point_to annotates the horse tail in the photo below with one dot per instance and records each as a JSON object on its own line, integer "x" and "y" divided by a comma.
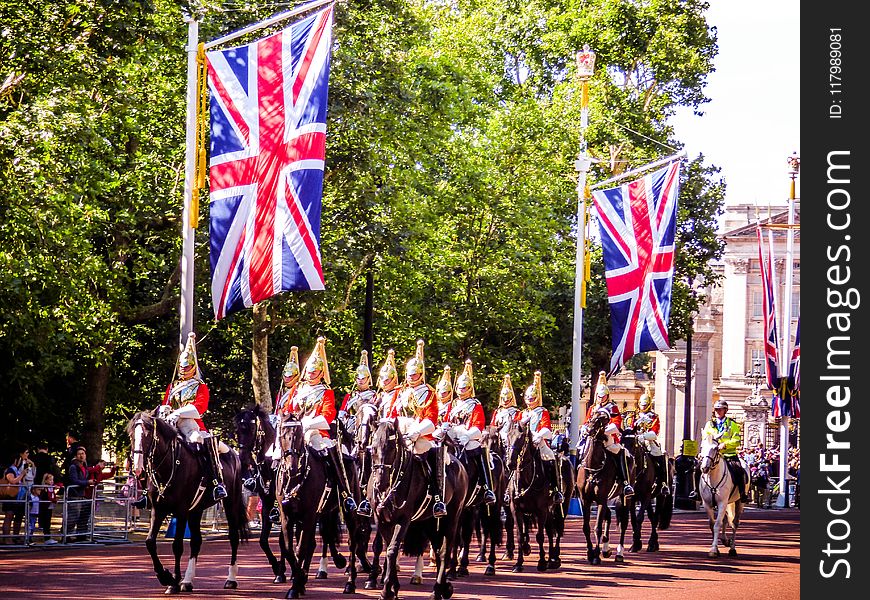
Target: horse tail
{"x": 415, "y": 540}
{"x": 665, "y": 508}
{"x": 234, "y": 504}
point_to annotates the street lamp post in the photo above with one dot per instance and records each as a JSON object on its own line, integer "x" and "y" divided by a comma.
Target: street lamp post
{"x": 585, "y": 69}
{"x": 793, "y": 170}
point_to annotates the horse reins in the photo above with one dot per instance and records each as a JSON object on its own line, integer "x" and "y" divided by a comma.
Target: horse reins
{"x": 714, "y": 490}
{"x": 150, "y": 469}
{"x": 396, "y": 474}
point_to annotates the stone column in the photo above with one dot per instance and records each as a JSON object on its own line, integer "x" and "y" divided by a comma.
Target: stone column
{"x": 734, "y": 318}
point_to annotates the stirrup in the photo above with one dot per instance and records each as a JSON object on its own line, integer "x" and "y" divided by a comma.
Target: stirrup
{"x": 141, "y": 503}
{"x": 250, "y": 484}
{"x": 220, "y": 492}
{"x": 439, "y": 509}
{"x": 693, "y": 495}
{"x": 627, "y": 490}
{"x": 364, "y": 509}
{"x": 488, "y": 497}
{"x": 275, "y": 515}
{"x": 350, "y": 504}
{"x": 558, "y": 497}
{"x": 666, "y": 490}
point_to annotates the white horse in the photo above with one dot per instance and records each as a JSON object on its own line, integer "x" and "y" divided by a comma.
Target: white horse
{"x": 720, "y": 496}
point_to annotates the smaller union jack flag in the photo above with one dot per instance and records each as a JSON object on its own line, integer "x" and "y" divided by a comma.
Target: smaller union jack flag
{"x": 638, "y": 223}
{"x": 794, "y": 378}
{"x": 268, "y": 144}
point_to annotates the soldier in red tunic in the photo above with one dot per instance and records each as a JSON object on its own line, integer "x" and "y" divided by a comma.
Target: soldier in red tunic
{"x": 417, "y": 401}
{"x": 538, "y": 418}
{"x": 185, "y": 401}
{"x": 388, "y": 385}
{"x": 507, "y": 410}
{"x": 289, "y": 382}
{"x": 647, "y": 426}
{"x": 467, "y": 422}
{"x": 444, "y": 392}
{"x": 604, "y": 404}
{"x": 314, "y": 404}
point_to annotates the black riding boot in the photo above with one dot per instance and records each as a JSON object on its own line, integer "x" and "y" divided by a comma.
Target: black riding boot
{"x": 436, "y": 481}
{"x": 622, "y": 462}
{"x": 553, "y": 478}
{"x": 141, "y": 503}
{"x": 336, "y": 466}
{"x": 212, "y": 466}
{"x": 660, "y": 463}
{"x": 739, "y": 477}
{"x": 365, "y": 508}
{"x": 488, "y": 495}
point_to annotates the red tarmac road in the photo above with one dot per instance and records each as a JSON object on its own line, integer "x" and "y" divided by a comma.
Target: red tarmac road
{"x": 767, "y": 568}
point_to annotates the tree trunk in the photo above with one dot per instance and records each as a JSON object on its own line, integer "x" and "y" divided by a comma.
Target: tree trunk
{"x": 95, "y": 414}
{"x": 368, "y": 323}
{"x": 260, "y": 357}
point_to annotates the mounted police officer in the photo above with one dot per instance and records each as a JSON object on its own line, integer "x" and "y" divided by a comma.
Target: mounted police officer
{"x": 604, "y": 404}
{"x": 647, "y": 426}
{"x": 361, "y": 395}
{"x": 465, "y": 423}
{"x": 538, "y": 418}
{"x": 728, "y": 432}
{"x": 184, "y": 403}
{"x": 314, "y": 405}
{"x": 419, "y": 407}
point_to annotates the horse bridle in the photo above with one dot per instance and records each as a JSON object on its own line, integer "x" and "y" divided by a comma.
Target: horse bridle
{"x": 396, "y": 473}
{"x": 516, "y": 472}
{"x": 303, "y": 468}
{"x": 714, "y": 489}
{"x": 150, "y": 469}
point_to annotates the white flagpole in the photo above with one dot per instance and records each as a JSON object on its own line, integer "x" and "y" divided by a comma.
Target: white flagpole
{"x": 188, "y": 232}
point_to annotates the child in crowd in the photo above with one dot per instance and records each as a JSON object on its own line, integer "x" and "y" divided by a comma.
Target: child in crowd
{"x": 47, "y": 502}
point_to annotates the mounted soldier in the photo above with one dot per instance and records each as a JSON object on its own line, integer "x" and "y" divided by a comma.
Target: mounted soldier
{"x": 647, "y": 425}
{"x": 417, "y": 411}
{"x": 538, "y": 418}
{"x": 507, "y": 410}
{"x": 444, "y": 392}
{"x": 362, "y": 393}
{"x": 184, "y": 403}
{"x": 289, "y": 382}
{"x": 314, "y": 405}
{"x": 604, "y": 404}
{"x": 388, "y": 385}
{"x": 464, "y": 423}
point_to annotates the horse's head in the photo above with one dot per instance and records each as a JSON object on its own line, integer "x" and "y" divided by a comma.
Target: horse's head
{"x": 491, "y": 439}
{"x": 365, "y": 422}
{"x": 141, "y": 429}
{"x": 597, "y": 423}
{"x": 254, "y": 434}
{"x": 291, "y": 438}
{"x": 628, "y": 437}
{"x": 708, "y": 454}
{"x": 388, "y": 454}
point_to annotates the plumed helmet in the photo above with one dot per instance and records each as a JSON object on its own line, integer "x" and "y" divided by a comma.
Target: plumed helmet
{"x": 416, "y": 364}
{"x": 188, "y": 366}
{"x": 533, "y": 395}
{"x": 445, "y": 385}
{"x": 601, "y": 389}
{"x": 645, "y": 401}
{"x": 465, "y": 381}
{"x": 388, "y": 371}
{"x": 720, "y": 404}
{"x": 291, "y": 367}
{"x": 362, "y": 371}
{"x": 506, "y": 396}
{"x": 317, "y": 360}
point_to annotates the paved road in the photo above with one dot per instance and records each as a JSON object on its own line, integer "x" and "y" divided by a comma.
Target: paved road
{"x": 767, "y": 568}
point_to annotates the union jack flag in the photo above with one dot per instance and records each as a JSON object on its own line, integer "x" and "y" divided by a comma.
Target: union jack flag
{"x": 794, "y": 374}
{"x": 638, "y": 223}
{"x": 268, "y": 145}
{"x": 771, "y": 339}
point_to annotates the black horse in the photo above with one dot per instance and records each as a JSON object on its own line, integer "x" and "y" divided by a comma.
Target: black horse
{"x": 486, "y": 519}
{"x": 255, "y": 435}
{"x": 307, "y": 498}
{"x": 597, "y": 482}
{"x": 398, "y": 490}
{"x": 176, "y": 484}
{"x": 528, "y": 490}
{"x": 648, "y": 498}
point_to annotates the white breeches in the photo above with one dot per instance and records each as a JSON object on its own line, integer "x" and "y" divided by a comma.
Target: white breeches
{"x": 414, "y": 431}
{"x": 653, "y": 447}
{"x": 545, "y": 450}
{"x": 316, "y": 441}
{"x": 465, "y": 437}
{"x": 189, "y": 428}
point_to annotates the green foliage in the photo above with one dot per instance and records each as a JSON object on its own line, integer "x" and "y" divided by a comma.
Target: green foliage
{"x": 452, "y": 131}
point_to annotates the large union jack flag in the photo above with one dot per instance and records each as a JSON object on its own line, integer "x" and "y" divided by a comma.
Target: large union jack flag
{"x": 768, "y": 301}
{"x": 638, "y": 223}
{"x": 268, "y": 142}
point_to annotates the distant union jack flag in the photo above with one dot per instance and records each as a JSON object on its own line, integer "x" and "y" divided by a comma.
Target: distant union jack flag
{"x": 268, "y": 141}
{"x": 794, "y": 374}
{"x": 638, "y": 222}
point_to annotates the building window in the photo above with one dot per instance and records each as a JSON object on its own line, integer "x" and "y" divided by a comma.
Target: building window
{"x": 757, "y": 354}
{"x": 757, "y": 302}
{"x": 795, "y": 304}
